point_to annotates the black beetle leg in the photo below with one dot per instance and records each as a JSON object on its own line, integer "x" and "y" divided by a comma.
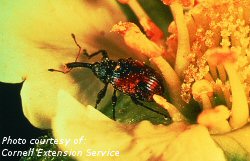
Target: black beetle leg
{"x": 114, "y": 99}
{"x": 103, "y": 52}
{"x": 101, "y": 94}
{"x": 141, "y": 104}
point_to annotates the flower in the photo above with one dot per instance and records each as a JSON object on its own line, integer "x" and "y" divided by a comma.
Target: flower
{"x": 197, "y": 52}
{"x": 36, "y": 37}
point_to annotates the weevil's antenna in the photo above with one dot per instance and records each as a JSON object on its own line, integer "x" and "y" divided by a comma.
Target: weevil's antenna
{"x": 68, "y": 69}
{"x": 80, "y": 48}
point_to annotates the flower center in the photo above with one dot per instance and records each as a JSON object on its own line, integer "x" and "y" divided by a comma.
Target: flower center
{"x": 205, "y": 59}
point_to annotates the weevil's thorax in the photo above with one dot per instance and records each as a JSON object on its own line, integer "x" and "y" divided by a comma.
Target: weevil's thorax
{"x": 104, "y": 70}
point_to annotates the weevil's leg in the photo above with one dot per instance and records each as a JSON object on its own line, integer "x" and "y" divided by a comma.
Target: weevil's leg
{"x": 103, "y": 52}
{"x": 141, "y": 104}
{"x": 114, "y": 99}
{"x": 101, "y": 94}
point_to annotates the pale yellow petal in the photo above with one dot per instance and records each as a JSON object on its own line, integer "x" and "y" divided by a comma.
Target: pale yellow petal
{"x": 236, "y": 143}
{"x": 36, "y": 36}
{"x": 143, "y": 141}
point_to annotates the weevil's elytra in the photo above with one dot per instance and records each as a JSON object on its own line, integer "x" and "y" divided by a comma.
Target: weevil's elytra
{"x": 136, "y": 79}
{"x": 128, "y": 76}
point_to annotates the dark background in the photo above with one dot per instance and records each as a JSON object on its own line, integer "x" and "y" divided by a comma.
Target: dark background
{"x": 12, "y": 121}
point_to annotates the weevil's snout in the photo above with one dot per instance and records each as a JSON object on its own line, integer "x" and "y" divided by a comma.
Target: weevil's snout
{"x": 65, "y": 69}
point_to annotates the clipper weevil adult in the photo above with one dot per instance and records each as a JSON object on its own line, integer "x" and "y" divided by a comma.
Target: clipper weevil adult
{"x": 129, "y": 76}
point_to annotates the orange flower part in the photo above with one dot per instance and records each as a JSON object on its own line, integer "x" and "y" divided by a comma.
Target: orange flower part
{"x": 152, "y": 31}
{"x": 136, "y": 40}
{"x": 171, "y": 41}
{"x": 219, "y": 56}
{"x": 123, "y": 1}
{"x": 185, "y": 3}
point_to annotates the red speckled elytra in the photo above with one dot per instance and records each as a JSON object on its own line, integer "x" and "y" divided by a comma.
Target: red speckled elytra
{"x": 128, "y": 76}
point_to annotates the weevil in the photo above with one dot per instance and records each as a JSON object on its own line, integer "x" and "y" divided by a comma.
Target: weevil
{"x": 131, "y": 77}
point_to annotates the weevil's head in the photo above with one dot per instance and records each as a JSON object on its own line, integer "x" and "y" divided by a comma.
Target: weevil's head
{"x": 104, "y": 70}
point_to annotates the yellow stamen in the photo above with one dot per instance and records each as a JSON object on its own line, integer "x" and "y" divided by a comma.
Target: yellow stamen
{"x": 212, "y": 69}
{"x": 215, "y": 119}
{"x": 136, "y": 7}
{"x": 240, "y": 111}
{"x": 172, "y": 81}
{"x": 183, "y": 38}
{"x": 202, "y": 91}
{"x": 172, "y": 110}
{"x": 223, "y": 91}
{"x": 227, "y": 94}
{"x": 208, "y": 77}
{"x": 222, "y": 73}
